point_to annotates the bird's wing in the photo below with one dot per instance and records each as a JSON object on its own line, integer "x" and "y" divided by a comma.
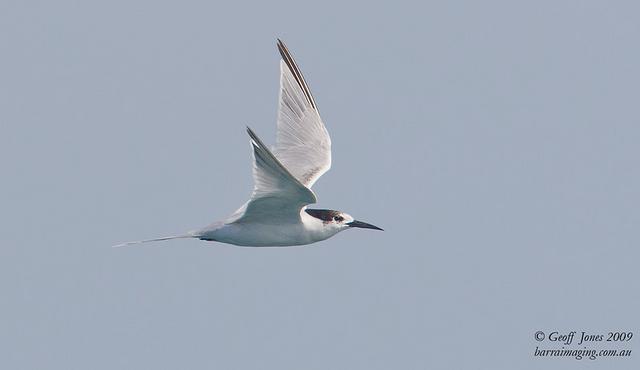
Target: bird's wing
{"x": 303, "y": 145}
{"x": 277, "y": 194}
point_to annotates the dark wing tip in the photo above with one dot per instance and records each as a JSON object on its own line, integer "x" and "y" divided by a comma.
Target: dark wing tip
{"x": 254, "y": 138}
{"x": 282, "y": 48}
{"x": 293, "y": 67}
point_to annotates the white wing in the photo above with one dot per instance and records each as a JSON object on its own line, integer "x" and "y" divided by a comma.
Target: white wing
{"x": 303, "y": 145}
{"x": 277, "y": 195}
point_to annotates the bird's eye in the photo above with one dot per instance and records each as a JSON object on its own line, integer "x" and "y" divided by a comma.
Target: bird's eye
{"x": 338, "y": 218}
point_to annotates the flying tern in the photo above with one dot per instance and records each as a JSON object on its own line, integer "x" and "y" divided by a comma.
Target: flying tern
{"x": 277, "y": 213}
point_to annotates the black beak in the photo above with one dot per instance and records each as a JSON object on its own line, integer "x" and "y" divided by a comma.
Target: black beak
{"x": 363, "y": 225}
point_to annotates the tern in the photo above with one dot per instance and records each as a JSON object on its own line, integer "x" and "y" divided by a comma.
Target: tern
{"x": 277, "y": 213}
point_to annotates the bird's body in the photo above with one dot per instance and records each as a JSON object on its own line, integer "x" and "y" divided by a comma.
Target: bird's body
{"x": 268, "y": 234}
{"x": 277, "y": 214}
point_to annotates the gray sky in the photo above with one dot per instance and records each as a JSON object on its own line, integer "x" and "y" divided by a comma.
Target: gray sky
{"x": 495, "y": 142}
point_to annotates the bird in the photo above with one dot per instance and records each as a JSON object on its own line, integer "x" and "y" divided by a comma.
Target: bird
{"x": 277, "y": 213}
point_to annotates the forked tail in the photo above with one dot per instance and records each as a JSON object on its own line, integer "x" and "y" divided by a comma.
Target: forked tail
{"x": 186, "y": 236}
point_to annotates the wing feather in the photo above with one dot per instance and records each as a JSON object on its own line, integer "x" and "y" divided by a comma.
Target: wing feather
{"x": 277, "y": 195}
{"x": 303, "y": 144}
{"x": 283, "y": 179}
